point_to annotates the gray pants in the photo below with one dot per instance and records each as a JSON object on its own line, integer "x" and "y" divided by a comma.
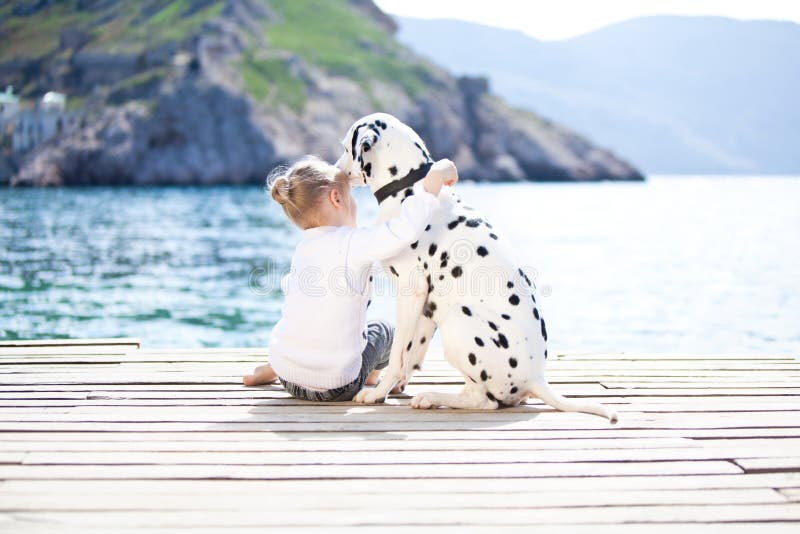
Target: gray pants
{"x": 375, "y": 356}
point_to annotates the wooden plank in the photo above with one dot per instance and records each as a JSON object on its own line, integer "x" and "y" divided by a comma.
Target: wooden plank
{"x": 638, "y": 356}
{"x": 621, "y": 404}
{"x": 71, "y": 342}
{"x": 791, "y": 494}
{"x": 86, "y": 430}
{"x": 421, "y": 517}
{"x": 539, "y": 416}
{"x": 770, "y": 465}
{"x": 210, "y": 500}
{"x": 158, "y": 443}
{"x": 398, "y": 486}
{"x": 752, "y": 460}
{"x": 384, "y": 431}
{"x": 776, "y": 527}
{"x": 518, "y": 470}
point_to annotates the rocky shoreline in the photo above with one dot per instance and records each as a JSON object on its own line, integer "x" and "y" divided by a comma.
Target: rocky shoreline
{"x": 191, "y": 113}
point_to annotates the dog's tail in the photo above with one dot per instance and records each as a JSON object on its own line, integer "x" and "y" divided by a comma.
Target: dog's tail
{"x": 541, "y": 389}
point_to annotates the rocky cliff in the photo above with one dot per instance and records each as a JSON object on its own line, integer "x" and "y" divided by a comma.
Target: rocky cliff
{"x": 208, "y": 92}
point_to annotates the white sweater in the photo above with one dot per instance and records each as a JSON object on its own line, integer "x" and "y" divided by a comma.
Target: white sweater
{"x": 319, "y": 339}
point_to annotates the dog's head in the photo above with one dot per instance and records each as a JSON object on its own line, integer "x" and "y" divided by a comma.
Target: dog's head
{"x": 379, "y": 149}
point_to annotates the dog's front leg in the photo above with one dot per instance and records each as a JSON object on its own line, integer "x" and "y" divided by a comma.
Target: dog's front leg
{"x": 419, "y": 347}
{"x": 409, "y": 311}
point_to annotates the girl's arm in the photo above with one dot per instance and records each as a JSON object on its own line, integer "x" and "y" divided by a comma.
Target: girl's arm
{"x": 391, "y": 237}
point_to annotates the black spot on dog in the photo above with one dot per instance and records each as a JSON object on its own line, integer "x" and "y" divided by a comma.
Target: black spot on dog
{"x": 510, "y": 285}
{"x": 444, "y": 257}
{"x": 535, "y": 312}
{"x": 478, "y": 341}
{"x": 408, "y": 347}
{"x": 364, "y": 335}
{"x": 370, "y": 278}
{"x": 417, "y": 367}
{"x": 422, "y": 340}
{"x": 414, "y": 244}
{"x": 429, "y": 308}
{"x": 430, "y": 283}
{"x": 441, "y": 277}
{"x": 427, "y": 227}
{"x": 368, "y": 169}
{"x": 506, "y": 316}
{"x": 424, "y": 264}
{"x": 355, "y": 137}
{"x": 512, "y": 362}
{"x": 472, "y": 359}
{"x": 513, "y": 299}
{"x": 369, "y": 302}
{"x": 474, "y": 223}
{"x": 493, "y": 326}
{"x": 409, "y": 192}
{"x": 453, "y": 224}
{"x": 503, "y": 341}
{"x": 489, "y": 226}
{"x": 525, "y": 277}
{"x": 484, "y": 376}
{"x": 456, "y": 272}
{"x": 381, "y": 124}
{"x": 493, "y": 236}
{"x": 545, "y": 354}
{"x": 432, "y": 249}
{"x": 544, "y": 330}
{"x": 482, "y": 251}
{"x": 466, "y": 310}
{"x": 490, "y": 397}
{"x": 514, "y": 390}
{"x": 393, "y": 270}
{"x": 393, "y": 170}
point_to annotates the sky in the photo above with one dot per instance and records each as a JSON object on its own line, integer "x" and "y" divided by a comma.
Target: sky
{"x": 561, "y": 19}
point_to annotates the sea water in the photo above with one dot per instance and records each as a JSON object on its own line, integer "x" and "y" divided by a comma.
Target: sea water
{"x": 696, "y": 265}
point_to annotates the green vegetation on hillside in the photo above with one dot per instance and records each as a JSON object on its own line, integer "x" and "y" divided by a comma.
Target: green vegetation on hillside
{"x": 271, "y": 78}
{"x": 120, "y": 27}
{"x": 333, "y": 35}
{"x": 343, "y": 41}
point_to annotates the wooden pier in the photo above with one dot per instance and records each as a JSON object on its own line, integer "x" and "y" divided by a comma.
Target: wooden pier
{"x": 107, "y": 436}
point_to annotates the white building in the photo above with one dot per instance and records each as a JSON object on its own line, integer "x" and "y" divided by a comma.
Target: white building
{"x": 22, "y": 130}
{"x": 9, "y": 103}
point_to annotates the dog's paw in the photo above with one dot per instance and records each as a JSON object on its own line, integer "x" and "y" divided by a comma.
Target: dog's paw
{"x": 369, "y": 396}
{"x": 423, "y": 401}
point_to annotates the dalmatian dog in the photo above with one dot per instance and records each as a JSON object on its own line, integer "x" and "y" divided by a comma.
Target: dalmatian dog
{"x": 460, "y": 277}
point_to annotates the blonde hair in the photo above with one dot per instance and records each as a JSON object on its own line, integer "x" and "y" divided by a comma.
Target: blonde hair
{"x": 301, "y": 188}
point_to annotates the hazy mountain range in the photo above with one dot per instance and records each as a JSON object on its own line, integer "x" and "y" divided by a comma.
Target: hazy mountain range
{"x": 673, "y": 94}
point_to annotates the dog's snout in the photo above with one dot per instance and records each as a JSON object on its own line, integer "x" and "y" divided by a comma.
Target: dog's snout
{"x": 343, "y": 164}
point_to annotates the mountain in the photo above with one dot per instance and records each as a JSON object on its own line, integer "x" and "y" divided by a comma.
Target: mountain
{"x": 674, "y": 94}
{"x": 203, "y": 92}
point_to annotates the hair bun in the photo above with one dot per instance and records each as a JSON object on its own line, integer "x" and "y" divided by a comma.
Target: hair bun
{"x": 279, "y": 189}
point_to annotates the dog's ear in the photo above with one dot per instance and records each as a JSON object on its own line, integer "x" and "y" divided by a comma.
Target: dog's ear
{"x": 364, "y": 138}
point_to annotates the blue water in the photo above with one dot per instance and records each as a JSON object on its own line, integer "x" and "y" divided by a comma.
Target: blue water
{"x": 678, "y": 264}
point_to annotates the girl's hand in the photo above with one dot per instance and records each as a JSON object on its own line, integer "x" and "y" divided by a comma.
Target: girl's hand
{"x": 442, "y": 172}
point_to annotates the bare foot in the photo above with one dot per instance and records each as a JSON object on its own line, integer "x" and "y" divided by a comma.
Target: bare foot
{"x": 262, "y": 375}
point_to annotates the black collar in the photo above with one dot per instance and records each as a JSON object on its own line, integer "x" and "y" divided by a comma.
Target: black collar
{"x": 407, "y": 181}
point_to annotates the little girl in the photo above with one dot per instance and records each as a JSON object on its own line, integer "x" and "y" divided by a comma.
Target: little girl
{"x": 322, "y": 349}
